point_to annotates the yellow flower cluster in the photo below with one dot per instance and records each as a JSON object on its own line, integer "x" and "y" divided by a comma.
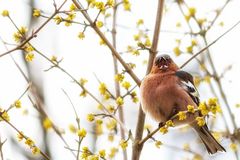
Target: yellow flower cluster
{"x": 190, "y": 108}
{"x": 126, "y": 85}
{"x": 158, "y": 144}
{"x": 103, "y": 91}
{"x": 82, "y": 133}
{"x": 111, "y": 124}
{"x": 69, "y": 19}
{"x": 20, "y": 34}
{"x": 81, "y": 35}
{"x": 200, "y": 121}
{"x": 4, "y": 115}
{"x": 29, "y": 142}
{"x": 29, "y": 57}
{"x": 126, "y": 5}
{"x": 36, "y": 13}
{"x": 58, "y": 19}
{"x": 5, "y": 13}
{"x": 119, "y": 101}
{"x": 164, "y": 129}
{"x": 211, "y": 106}
{"x": 119, "y": 77}
{"x": 123, "y": 144}
{"x": 134, "y": 97}
{"x": 47, "y": 123}
{"x": 90, "y": 117}
{"x": 113, "y": 152}
{"x": 181, "y": 115}
{"x": 191, "y": 13}
{"x": 85, "y": 152}
{"x": 18, "y": 104}
{"x": 102, "y": 153}
{"x": 72, "y": 128}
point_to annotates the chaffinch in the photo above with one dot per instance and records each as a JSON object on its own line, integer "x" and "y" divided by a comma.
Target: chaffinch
{"x": 166, "y": 91}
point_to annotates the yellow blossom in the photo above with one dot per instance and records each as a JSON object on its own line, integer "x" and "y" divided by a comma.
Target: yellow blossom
{"x": 186, "y": 146}
{"x": 100, "y": 5}
{"x": 58, "y": 19}
{"x": 35, "y": 150}
{"x": 136, "y": 37}
{"x": 20, "y": 136}
{"x": 119, "y": 77}
{"x": 178, "y": 24}
{"x": 54, "y": 58}
{"x": 28, "y": 48}
{"x": 221, "y": 24}
{"x": 5, "y": 13}
{"x": 72, "y": 128}
{"x": 197, "y": 157}
{"x": 90, "y": 117}
{"x": 201, "y": 21}
{"x": 187, "y": 17}
{"x": 192, "y": 11}
{"x": 207, "y": 79}
{"x": 29, "y": 57}
{"x": 126, "y": 5}
{"x": 110, "y": 3}
{"x": 234, "y": 147}
{"x": 148, "y": 42}
{"x": 169, "y": 123}
{"x": 81, "y": 35}
{"x": 123, "y": 144}
{"x": 193, "y": 42}
{"x": 83, "y": 81}
{"x": 136, "y": 52}
{"x": 111, "y": 137}
{"x": 119, "y": 101}
{"x": 177, "y": 51}
{"x": 18, "y": 104}
{"x": 237, "y": 105}
{"x": 190, "y": 108}
{"x": 100, "y": 107}
{"x": 82, "y": 133}
{"x": 102, "y": 42}
{"x": 148, "y": 127}
{"x": 203, "y": 108}
{"x": 200, "y": 121}
{"x": 83, "y": 93}
{"x": 4, "y": 116}
{"x": 181, "y": 115}
{"x": 163, "y": 129}
{"x": 110, "y": 108}
{"x": 47, "y": 123}
{"x": 102, "y": 88}
{"x": 111, "y": 124}
{"x": 99, "y": 24}
{"x": 126, "y": 85}
{"x": 112, "y": 153}
{"x": 158, "y": 144}
{"x": 140, "y": 22}
{"x": 102, "y": 153}
{"x": 99, "y": 121}
{"x": 36, "y": 13}
{"x": 29, "y": 142}
{"x": 72, "y": 7}
{"x": 189, "y": 49}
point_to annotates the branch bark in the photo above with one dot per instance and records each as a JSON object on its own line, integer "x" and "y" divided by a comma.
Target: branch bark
{"x": 137, "y": 147}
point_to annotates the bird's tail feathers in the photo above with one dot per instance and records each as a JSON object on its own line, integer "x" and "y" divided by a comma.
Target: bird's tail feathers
{"x": 209, "y": 141}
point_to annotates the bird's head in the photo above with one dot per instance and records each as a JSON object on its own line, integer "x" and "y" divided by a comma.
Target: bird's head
{"x": 163, "y": 63}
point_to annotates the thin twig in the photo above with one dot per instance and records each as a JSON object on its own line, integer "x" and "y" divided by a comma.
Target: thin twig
{"x": 209, "y": 45}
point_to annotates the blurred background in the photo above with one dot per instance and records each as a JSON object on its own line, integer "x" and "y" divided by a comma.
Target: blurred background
{"x": 187, "y": 27}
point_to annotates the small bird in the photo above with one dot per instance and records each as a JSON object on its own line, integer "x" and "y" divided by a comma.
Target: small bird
{"x": 166, "y": 90}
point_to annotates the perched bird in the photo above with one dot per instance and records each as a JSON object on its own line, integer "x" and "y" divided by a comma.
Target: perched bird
{"x": 166, "y": 91}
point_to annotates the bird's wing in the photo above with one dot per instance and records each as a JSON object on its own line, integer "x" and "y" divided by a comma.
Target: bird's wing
{"x": 188, "y": 85}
